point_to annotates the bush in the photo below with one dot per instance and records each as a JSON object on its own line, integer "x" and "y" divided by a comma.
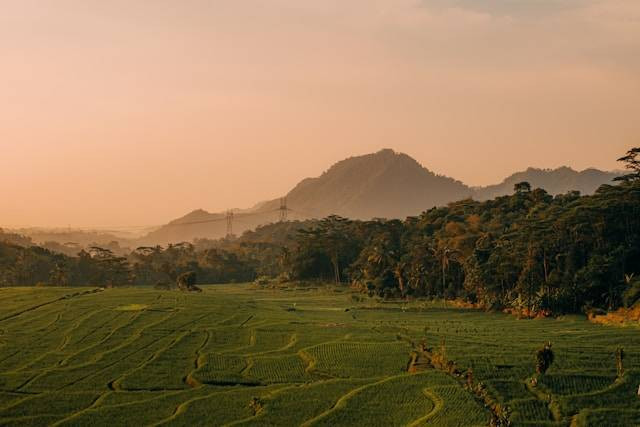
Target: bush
{"x": 262, "y": 281}
{"x": 632, "y": 294}
{"x": 187, "y": 282}
{"x": 544, "y": 359}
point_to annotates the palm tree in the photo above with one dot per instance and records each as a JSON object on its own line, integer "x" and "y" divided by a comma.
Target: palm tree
{"x": 398, "y": 272}
{"x": 445, "y": 255}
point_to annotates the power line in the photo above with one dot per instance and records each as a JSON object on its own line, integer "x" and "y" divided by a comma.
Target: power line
{"x": 283, "y": 215}
{"x": 235, "y": 216}
{"x": 229, "y": 223}
{"x": 283, "y": 209}
{"x": 204, "y": 221}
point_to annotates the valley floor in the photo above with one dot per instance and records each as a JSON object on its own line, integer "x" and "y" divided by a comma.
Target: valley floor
{"x": 235, "y": 355}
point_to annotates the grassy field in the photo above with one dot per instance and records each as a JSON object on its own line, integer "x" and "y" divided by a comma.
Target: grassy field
{"x": 235, "y": 355}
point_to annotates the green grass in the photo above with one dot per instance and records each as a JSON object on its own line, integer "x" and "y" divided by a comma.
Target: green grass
{"x": 403, "y": 401}
{"x": 223, "y": 370}
{"x": 454, "y": 407}
{"x": 168, "y": 369}
{"x": 296, "y": 404}
{"x": 279, "y": 369}
{"x": 147, "y": 357}
{"x": 608, "y": 417}
{"x": 360, "y": 360}
{"x": 506, "y": 391}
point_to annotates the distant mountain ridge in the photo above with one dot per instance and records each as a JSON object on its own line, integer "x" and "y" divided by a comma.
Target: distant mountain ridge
{"x": 554, "y": 181}
{"x": 385, "y": 184}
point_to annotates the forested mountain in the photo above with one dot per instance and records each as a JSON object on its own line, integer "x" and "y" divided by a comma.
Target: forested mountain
{"x": 385, "y": 184}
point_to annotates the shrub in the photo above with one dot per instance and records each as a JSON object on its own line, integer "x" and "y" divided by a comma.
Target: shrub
{"x": 187, "y": 282}
{"x": 544, "y": 358}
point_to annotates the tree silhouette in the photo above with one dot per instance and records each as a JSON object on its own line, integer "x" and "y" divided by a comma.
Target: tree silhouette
{"x": 522, "y": 187}
{"x": 631, "y": 163}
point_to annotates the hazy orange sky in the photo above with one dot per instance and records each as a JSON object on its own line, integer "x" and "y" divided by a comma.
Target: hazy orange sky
{"x": 136, "y": 112}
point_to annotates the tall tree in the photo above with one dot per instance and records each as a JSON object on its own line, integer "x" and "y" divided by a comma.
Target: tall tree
{"x": 632, "y": 164}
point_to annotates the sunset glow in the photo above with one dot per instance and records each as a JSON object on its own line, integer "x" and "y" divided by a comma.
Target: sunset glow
{"x": 133, "y": 113}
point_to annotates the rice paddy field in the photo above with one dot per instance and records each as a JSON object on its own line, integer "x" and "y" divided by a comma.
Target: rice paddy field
{"x": 237, "y": 355}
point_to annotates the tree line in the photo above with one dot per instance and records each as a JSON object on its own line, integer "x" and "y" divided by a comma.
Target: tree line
{"x": 530, "y": 252}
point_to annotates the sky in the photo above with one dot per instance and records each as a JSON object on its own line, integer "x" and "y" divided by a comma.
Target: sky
{"x": 123, "y": 113}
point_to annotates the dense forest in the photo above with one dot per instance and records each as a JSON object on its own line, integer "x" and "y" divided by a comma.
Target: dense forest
{"x": 530, "y": 252}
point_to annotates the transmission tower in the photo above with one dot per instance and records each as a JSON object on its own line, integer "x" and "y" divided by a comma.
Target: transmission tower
{"x": 283, "y": 209}
{"x": 229, "y": 223}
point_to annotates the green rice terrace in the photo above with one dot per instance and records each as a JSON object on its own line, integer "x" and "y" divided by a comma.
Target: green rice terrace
{"x": 237, "y": 355}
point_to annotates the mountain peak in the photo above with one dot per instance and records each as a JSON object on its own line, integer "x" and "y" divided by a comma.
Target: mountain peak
{"x": 196, "y": 215}
{"x": 388, "y": 152}
{"x": 375, "y": 162}
{"x": 382, "y": 184}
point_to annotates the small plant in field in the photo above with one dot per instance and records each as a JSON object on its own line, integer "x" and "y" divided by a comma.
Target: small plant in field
{"x": 439, "y": 357}
{"x": 480, "y": 390}
{"x": 256, "y": 405}
{"x": 501, "y": 416}
{"x": 453, "y": 369}
{"x": 544, "y": 358}
{"x": 620, "y": 361}
{"x": 262, "y": 281}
